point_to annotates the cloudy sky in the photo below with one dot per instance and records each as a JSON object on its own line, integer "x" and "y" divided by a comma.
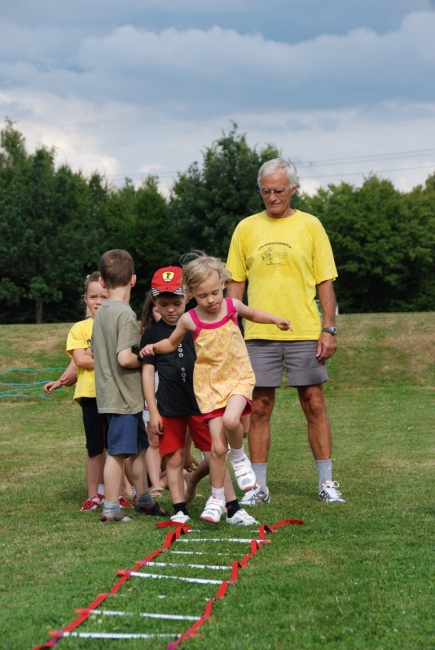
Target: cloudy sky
{"x": 131, "y": 87}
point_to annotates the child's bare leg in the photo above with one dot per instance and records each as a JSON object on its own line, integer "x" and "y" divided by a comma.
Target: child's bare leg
{"x": 245, "y": 420}
{"x": 94, "y": 473}
{"x": 243, "y": 472}
{"x": 153, "y": 460}
{"x": 174, "y": 473}
{"x": 113, "y": 475}
{"x": 138, "y": 472}
{"x": 193, "y": 478}
{"x": 230, "y": 495}
{"x": 218, "y": 455}
{"x": 231, "y": 420}
{"x": 127, "y": 481}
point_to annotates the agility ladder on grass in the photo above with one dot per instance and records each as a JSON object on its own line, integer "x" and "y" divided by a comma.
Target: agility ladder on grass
{"x": 173, "y": 536}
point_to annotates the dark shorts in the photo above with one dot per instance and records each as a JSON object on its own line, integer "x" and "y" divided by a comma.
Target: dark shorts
{"x": 174, "y": 433}
{"x": 269, "y": 358}
{"x": 126, "y": 434}
{"x": 95, "y": 425}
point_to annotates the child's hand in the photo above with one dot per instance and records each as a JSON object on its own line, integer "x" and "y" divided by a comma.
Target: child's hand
{"x": 155, "y": 425}
{"x": 283, "y": 324}
{"x": 147, "y": 351}
{"x": 190, "y": 463}
{"x": 52, "y": 385}
{"x": 69, "y": 378}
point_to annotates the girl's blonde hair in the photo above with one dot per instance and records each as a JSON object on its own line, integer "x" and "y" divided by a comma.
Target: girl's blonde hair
{"x": 200, "y": 268}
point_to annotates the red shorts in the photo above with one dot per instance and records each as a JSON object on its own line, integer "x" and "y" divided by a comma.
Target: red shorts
{"x": 218, "y": 413}
{"x": 174, "y": 433}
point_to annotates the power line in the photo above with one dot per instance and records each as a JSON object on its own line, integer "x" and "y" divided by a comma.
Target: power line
{"x": 371, "y": 171}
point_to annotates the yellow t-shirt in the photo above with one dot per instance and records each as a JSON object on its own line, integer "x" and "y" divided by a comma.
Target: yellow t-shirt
{"x": 79, "y": 338}
{"x": 283, "y": 260}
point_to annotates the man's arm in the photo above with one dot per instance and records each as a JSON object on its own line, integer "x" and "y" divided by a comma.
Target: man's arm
{"x": 236, "y": 290}
{"x": 327, "y": 343}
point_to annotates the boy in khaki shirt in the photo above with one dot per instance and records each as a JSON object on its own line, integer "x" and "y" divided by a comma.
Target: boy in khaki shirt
{"x": 115, "y": 340}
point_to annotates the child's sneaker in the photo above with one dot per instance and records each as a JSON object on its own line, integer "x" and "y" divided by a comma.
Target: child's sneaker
{"x": 245, "y": 475}
{"x": 124, "y": 503}
{"x": 105, "y": 519}
{"x": 101, "y": 497}
{"x": 213, "y": 511}
{"x": 180, "y": 518}
{"x": 330, "y": 494}
{"x": 155, "y": 510}
{"x": 91, "y": 504}
{"x": 242, "y": 518}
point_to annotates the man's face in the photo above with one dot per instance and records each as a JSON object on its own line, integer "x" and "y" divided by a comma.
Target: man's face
{"x": 277, "y": 205}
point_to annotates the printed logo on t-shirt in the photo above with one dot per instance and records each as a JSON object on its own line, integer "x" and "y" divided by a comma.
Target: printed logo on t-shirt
{"x": 273, "y": 256}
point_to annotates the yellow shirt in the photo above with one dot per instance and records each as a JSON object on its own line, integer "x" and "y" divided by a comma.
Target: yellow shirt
{"x": 283, "y": 260}
{"x": 79, "y": 338}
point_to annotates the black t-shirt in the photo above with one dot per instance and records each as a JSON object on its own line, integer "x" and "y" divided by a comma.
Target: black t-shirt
{"x": 175, "y": 396}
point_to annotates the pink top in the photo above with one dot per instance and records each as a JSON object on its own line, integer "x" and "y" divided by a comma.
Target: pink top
{"x": 222, "y": 366}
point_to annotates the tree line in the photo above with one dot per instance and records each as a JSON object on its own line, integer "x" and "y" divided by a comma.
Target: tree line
{"x": 55, "y": 224}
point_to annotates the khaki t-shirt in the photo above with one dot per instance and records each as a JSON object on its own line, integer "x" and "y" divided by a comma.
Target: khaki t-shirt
{"x": 119, "y": 390}
{"x": 283, "y": 261}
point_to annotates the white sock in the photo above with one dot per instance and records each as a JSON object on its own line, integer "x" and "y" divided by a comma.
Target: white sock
{"x": 101, "y": 489}
{"x": 260, "y": 470}
{"x": 218, "y": 493}
{"x": 237, "y": 454}
{"x": 133, "y": 491}
{"x": 324, "y": 468}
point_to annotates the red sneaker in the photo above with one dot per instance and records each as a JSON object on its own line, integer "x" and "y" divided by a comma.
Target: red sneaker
{"x": 124, "y": 503}
{"x": 91, "y": 504}
{"x": 101, "y": 497}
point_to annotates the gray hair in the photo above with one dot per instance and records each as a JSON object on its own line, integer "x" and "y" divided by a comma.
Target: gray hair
{"x": 271, "y": 166}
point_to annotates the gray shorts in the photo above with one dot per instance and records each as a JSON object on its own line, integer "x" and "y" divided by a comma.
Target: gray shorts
{"x": 268, "y": 359}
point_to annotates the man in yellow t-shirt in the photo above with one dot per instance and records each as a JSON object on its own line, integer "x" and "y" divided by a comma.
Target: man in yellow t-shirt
{"x": 285, "y": 256}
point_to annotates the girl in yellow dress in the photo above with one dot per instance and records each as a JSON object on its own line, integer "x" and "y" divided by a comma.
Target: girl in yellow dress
{"x": 223, "y": 378}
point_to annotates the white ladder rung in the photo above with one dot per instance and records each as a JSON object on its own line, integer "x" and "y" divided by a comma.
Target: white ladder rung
{"x": 159, "y": 577}
{"x": 175, "y": 617}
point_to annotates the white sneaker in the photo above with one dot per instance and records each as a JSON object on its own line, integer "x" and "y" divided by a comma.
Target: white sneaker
{"x": 213, "y": 511}
{"x": 180, "y": 518}
{"x": 330, "y": 494}
{"x": 258, "y": 494}
{"x": 245, "y": 475}
{"x": 242, "y": 518}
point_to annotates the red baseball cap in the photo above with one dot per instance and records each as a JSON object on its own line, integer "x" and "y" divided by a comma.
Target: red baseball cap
{"x": 168, "y": 279}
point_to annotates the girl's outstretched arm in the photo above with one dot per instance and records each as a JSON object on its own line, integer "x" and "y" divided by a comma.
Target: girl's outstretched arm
{"x": 260, "y": 316}
{"x": 184, "y": 325}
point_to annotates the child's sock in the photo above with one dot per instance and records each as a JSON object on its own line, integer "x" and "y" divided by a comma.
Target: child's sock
{"x": 324, "y": 468}
{"x": 232, "y": 507}
{"x": 237, "y": 454}
{"x": 218, "y": 493}
{"x": 111, "y": 508}
{"x": 260, "y": 470}
{"x": 180, "y": 507}
{"x": 101, "y": 489}
{"x": 145, "y": 499}
{"x": 133, "y": 491}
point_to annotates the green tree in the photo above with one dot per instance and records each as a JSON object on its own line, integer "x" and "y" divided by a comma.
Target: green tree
{"x": 43, "y": 228}
{"x": 209, "y": 202}
{"x": 382, "y": 242}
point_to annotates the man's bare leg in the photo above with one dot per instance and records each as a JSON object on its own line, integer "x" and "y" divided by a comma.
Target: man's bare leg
{"x": 319, "y": 430}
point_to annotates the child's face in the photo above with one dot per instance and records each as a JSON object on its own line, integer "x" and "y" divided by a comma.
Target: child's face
{"x": 210, "y": 294}
{"x": 170, "y": 307}
{"x": 94, "y": 297}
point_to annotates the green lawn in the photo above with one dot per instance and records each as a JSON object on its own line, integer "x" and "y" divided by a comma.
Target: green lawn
{"x": 359, "y": 575}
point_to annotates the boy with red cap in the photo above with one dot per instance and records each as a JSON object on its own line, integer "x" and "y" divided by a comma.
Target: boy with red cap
{"x": 173, "y": 409}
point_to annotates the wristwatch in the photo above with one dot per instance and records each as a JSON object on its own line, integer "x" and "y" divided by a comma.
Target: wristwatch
{"x": 330, "y": 330}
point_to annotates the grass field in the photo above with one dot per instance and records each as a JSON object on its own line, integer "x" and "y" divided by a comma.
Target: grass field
{"x": 359, "y": 575}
